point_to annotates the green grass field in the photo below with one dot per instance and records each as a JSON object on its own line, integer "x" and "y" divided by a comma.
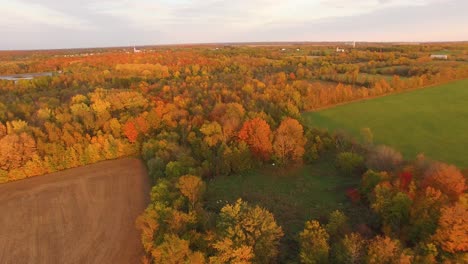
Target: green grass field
{"x": 292, "y": 195}
{"x": 433, "y": 121}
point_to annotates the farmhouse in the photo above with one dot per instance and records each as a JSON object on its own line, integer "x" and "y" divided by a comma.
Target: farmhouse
{"x": 439, "y": 57}
{"x": 340, "y": 50}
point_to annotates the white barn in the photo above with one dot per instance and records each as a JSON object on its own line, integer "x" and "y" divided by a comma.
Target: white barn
{"x": 340, "y": 50}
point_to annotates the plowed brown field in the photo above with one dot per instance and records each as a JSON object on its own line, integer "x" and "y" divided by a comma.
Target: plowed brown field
{"x": 81, "y": 215}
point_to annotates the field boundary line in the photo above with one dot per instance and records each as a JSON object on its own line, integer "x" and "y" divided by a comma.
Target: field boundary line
{"x": 383, "y": 95}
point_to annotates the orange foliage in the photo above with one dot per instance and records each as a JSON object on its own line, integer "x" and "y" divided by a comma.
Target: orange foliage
{"x": 257, "y": 133}
{"x": 130, "y": 131}
{"x": 16, "y": 150}
{"x": 289, "y": 141}
{"x": 452, "y": 233}
{"x": 446, "y": 178}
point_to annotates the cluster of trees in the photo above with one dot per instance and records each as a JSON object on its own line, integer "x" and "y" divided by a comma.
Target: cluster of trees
{"x": 82, "y": 130}
{"x": 418, "y": 213}
{"x": 196, "y": 114}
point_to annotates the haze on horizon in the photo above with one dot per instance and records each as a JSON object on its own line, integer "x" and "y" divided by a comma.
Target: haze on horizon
{"x": 49, "y": 24}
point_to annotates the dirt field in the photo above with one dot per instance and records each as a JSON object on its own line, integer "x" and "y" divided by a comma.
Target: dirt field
{"x": 82, "y": 215}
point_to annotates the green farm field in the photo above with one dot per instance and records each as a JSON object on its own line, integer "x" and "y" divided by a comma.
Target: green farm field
{"x": 433, "y": 121}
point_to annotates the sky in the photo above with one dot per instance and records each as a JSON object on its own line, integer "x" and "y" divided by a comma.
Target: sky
{"x": 50, "y": 24}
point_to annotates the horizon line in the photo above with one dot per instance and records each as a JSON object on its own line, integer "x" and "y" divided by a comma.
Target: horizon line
{"x": 240, "y": 43}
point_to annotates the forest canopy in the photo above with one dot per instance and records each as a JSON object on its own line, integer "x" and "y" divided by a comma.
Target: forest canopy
{"x": 202, "y": 113}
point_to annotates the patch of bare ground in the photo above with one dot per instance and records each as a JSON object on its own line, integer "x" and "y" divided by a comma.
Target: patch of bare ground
{"x": 81, "y": 215}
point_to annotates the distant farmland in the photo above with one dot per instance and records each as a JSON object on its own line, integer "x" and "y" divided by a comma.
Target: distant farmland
{"x": 433, "y": 121}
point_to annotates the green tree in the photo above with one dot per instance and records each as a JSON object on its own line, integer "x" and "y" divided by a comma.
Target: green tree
{"x": 337, "y": 225}
{"x": 350, "y": 163}
{"x": 369, "y": 181}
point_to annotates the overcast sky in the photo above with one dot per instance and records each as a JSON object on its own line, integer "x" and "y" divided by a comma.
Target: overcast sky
{"x": 40, "y": 24}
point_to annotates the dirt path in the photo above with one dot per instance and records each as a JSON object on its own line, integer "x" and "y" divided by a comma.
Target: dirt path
{"x": 81, "y": 215}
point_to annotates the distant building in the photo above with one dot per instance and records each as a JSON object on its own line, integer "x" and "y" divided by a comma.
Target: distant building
{"x": 340, "y": 50}
{"x": 439, "y": 57}
{"x": 135, "y": 50}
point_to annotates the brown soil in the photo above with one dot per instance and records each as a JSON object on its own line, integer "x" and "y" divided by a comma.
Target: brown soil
{"x": 81, "y": 215}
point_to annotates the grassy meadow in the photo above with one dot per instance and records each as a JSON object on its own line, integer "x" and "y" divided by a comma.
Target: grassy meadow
{"x": 293, "y": 195}
{"x": 433, "y": 121}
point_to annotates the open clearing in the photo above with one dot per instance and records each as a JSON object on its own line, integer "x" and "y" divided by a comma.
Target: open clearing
{"x": 292, "y": 195}
{"x": 81, "y": 215}
{"x": 433, "y": 121}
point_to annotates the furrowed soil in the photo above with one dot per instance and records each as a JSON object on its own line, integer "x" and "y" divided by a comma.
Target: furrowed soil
{"x": 81, "y": 215}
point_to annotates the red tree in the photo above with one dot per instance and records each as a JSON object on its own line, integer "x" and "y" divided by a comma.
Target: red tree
{"x": 257, "y": 134}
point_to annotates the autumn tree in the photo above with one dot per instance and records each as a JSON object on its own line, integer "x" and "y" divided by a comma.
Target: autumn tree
{"x": 383, "y": 250}
{"x": 130, "y": 131}
{"x": 350, "y": 250}
{"x": 446, "y": 178}
{"x": 289, "y": 142}
{"x": 242, "y": 226}
{"x": 384, "y": 158}
{"x": 451, "y": 234}
{"x": 425, "y": 213}
{"x": 314, "y": 247}
{"x": 174, "y": 250}
{"x": 228, "y": 252}
{"x": 257, "y": 134}
{"x": 230, "y": 117}
{"x": 16, "y": 150}
{"x": 213, "y": 133}
{"x": 191, "y": 187}
{"x": 3, "y": 130}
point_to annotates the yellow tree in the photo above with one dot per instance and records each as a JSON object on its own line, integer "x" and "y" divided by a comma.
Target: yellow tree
{"x": 191, "y": 187}
{"x": 175, "y": 250}
{"x": 227, "y": 252}
{"x": 314, "y": 243}
{"x": 242, "y": 226}
{"x": 213, "y": 133}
